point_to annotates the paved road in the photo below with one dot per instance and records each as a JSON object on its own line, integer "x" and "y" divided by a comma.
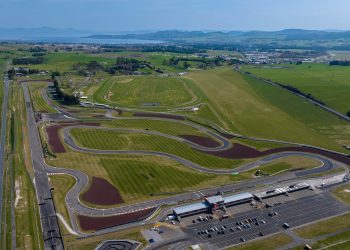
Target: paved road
{"x": 49, "y": 221}
{"x": 326, "y": 163}
{"x": 41, "y": 169}
{"x": 2, "y": 142}
{"x": 225, "y": 143}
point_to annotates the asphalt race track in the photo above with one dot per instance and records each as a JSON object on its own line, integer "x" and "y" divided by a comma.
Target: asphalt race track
{"x": 48, "y": 216}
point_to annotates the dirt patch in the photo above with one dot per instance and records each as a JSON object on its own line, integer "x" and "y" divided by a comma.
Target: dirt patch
{"x": 53, "y": 137}
{"x": 159, "y": 115}
{"x": 111, "y": 195}
{"x": 201, "y": 140}
{"x": 240, "y": 151}
{"x": 98, "y": 223}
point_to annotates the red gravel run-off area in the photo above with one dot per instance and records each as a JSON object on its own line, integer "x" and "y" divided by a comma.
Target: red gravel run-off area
{"x": 54, "y": 140}
{"x": 101, "y": 192}
{"x": 239, "y": 151}
{"x": 98, "y": 223}
{"x": 201, "y": 140}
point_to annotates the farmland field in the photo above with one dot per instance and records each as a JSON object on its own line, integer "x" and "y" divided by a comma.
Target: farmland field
{"x": 253, "y": 108}
{"x": 327, "y": 83}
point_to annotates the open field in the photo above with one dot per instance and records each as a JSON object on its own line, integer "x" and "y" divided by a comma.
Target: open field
{"x": 39, "y": 104}
{"x": 251, "y": 107}
{"x": 271, "y": 242}
{"x": 343, "y": 193}
{"x": 112, "y": 140}
{"x": 147, "y": 92}
{"x": 323, "y": 227}
{"x": 327, "y": 83}
{"x": 65, "y": 61}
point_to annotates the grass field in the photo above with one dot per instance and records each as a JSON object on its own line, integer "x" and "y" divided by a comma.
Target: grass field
{"x": 147, "y": 92}
{"x": 167, "y": 127}
{"x": 251, "y": 107}
{"x": 64, "y": 62}
{"x": 343, "y": 193}
{"x": 327, "y": 83}
{"x": 142, "y": 90}
{"x": 323, "y": 227}
{"x": 39, "y": 104}
{"x": 141, "y": 177}
{"x": 272, "y": 242}
{"x": 61, "y": 184}
{"x": 289, "y": 163}
{"x": 102, "y": 139}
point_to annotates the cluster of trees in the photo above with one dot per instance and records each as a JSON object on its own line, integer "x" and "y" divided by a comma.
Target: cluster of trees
{"x": 204, "y": 63}
{"x": 66, "y": 98}
{"x": 37, "y": 49}
{"x": 127, "y": 66}
{"x": 24, "y": 71}
{"x": 88, "y": 68}
{"x": 173, "y": 49}
{"x": 340, "y": 63}
{"x": 27, "y": 60}
{"x": 39, "y": 54}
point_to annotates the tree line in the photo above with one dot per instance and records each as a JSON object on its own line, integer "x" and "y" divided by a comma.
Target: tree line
{"x": 27, "y": 60}
{"x": 65, "y": 98}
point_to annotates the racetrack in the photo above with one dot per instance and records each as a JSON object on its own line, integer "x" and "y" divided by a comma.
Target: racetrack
{"x": 76, "y": 207}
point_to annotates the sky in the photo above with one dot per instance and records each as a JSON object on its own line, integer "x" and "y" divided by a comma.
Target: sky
{"x": 140, "y": 15}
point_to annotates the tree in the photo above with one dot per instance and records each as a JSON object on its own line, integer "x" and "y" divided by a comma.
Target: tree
{"x": 348, "y": 113}
{"x": 54, "y": 74}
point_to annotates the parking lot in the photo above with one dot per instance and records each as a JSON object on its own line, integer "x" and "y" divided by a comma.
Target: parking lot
{"x": 256, "y": 223}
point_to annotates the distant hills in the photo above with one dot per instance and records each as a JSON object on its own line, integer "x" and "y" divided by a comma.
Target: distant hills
{"x": 288, "y": 38}
{"x": 287, "y": 34}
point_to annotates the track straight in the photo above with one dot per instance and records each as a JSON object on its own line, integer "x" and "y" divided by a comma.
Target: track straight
{"x": 2, "y": 144}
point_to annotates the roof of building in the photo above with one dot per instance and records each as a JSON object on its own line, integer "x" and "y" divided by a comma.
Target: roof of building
{"x": 281, "y": 190}
{"x": 191, "y": 208}
{"x": 215, "y": 199}
{"x": 238, "y": 197}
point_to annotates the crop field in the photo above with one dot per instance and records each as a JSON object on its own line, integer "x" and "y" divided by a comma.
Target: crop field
{"x": 147, "y": 92}
{"x": 141, "y": 177}
{"x": 327, "y": 83}
{"x": 39, "y": 104}
{"x": 253, "y": 108}
{"x": 112, "y": 140}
